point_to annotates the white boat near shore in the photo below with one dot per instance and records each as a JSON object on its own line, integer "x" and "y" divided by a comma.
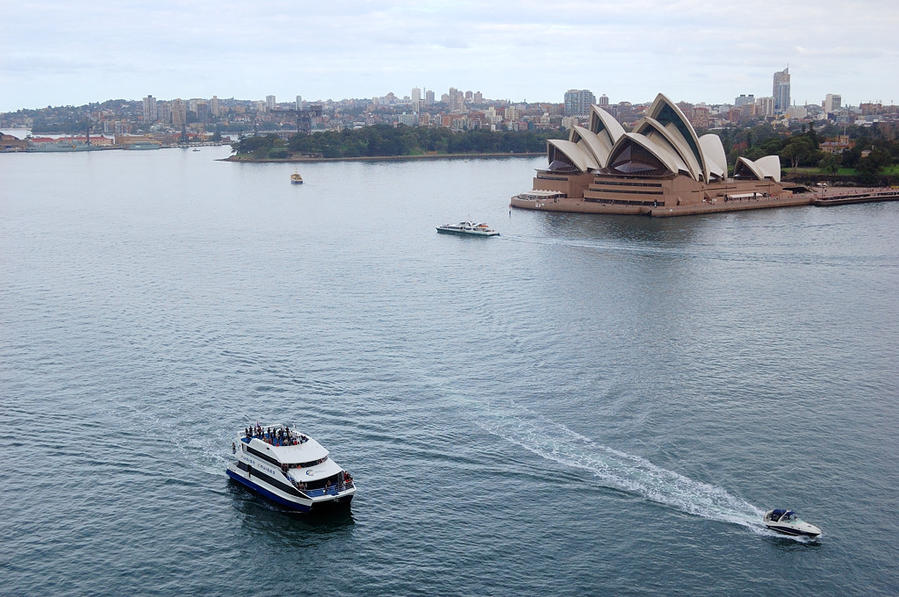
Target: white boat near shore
{"x": 468, "y": 228}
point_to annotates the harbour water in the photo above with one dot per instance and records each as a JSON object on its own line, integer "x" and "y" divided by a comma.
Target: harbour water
{"x": 584, "y": 405}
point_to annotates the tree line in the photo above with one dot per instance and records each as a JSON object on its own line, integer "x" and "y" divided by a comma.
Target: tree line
{"x": 874, "y": 148}
{"x": 383, "y": 140}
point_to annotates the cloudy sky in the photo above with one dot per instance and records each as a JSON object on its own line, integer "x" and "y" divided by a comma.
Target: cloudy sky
{"x": 75, "y": 52}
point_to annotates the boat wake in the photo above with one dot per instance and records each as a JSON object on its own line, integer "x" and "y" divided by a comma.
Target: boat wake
{"x": 619, "y": 470}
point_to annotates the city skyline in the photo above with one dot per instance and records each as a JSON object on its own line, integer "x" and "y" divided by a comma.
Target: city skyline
{"x": 77, "y": 53}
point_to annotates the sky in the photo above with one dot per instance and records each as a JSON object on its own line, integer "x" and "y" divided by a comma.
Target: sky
{"x": 75, "y": 52}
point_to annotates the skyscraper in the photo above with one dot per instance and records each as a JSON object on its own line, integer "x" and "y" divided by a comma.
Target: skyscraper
{"x": 832, "y": 103}
{"x": 782, "y": 90}
{"x": 269, "y": 103}
{"x": 150, "y": 113}
{"x": 578, "y": 102}
{"x": 179, "y": 112}
{"x": 764, "y": 106}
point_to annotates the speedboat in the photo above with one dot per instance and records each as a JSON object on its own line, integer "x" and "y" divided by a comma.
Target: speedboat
{"x": 468, "y": 228}
{"x": 786, "y": 522}
{"x": 295, "y": 178}
{"x": 289, "y": 468}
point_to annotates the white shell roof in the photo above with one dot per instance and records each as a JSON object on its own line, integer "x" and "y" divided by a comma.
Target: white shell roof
{"x": 579, "y": 157}
{"x": 653, "y": 129}
{"x": 715, "y": 158}
{"x": 769, "y": 166}
{"x": 674, "y": 142}
{"x": 677, "y": 128}
{"x": 598, "y": 145}
{"x": 603, "y": 121}
{"x": 766, "y": 167}
{"x": 664, "y": 156}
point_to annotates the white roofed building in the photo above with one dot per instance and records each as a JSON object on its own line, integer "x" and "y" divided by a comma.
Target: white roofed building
{"x": 660, "y": 167}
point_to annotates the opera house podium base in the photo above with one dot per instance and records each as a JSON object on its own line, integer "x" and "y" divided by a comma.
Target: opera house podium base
{"x": 657, "y": 209}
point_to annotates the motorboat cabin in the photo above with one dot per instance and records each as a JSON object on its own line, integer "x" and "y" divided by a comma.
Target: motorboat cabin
{"x": 787, "y": 522}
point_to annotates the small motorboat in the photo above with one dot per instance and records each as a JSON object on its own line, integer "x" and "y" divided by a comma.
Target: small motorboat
{"x": 295, "y": 178}
{"x": 468, "y": 228}
{"x": 786, "y": 522}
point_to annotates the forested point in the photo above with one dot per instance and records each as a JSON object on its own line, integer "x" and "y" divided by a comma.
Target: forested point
{"x": 871, "y": 157}
{"x": 388, "y": 141}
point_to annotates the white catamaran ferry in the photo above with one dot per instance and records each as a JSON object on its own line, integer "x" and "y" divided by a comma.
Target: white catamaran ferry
{"x": 289, "y": 468}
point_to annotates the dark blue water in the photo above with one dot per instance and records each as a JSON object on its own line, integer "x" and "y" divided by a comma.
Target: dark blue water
{"x": 584, "y": 405}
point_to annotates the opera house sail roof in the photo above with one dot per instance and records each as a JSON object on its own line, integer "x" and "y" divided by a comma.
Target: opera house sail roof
{"x": 664, "y": 139}
{"x": 597, "y": 162}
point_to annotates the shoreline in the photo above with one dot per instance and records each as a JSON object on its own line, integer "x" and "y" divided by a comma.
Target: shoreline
{"x": 816, "y": 198}
{"x": 383, "y": 158}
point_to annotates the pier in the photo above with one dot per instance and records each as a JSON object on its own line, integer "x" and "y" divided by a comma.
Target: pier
{"x": 868, "y": 195}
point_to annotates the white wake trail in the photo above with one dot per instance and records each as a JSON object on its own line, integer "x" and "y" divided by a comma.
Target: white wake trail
{"x": 619, "y": 470}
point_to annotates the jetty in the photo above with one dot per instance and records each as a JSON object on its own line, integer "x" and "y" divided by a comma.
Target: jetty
{"x": 841, "y": 196}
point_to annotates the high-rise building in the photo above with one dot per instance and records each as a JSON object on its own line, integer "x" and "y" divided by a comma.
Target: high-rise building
{"x": 179, "y": 112}
{"x": 578, "y": 102}
{"x": 150, "y": 112}
{"x": 456, "y": 100}
{"x": 832, "y": 103}
{"x": 416, "y": 96}
{"x": 782, "y": 90}
{"x": 202, "y": 111}
{"x": 429, "y": 97}
{"x": 164, "y": 112}
{"x": 269, "y": 103}
{"x": 764, "y": 106}
{"x": 215, "y": 106}
{"x": 604, "y": 101}
{"x": 744, "y": 100}
{"x": 299, "y": 102}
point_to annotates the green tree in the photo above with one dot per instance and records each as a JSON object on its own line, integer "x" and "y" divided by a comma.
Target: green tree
{"x": 829, "y": 163}
{"x": 800, "y": 150}
{"x": 869, "y": 166}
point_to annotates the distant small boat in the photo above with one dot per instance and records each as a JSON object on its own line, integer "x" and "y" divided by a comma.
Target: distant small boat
{"x": 469, "y": 228}
{"x": 786, "y": 522}
{"x": 295, "y": 178}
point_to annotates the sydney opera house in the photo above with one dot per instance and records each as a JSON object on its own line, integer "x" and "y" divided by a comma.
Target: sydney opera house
{"x": 660, "y": 168}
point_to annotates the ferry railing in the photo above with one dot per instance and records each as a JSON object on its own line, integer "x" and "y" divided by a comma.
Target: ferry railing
{"x": 332, "y": 490}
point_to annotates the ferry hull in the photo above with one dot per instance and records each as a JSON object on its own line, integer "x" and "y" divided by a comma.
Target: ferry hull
{"x": 793, "y": 531}
{"x": 295, "y": 504}
{"x": 258, "y": 489}
{"x": 466, "y": 233}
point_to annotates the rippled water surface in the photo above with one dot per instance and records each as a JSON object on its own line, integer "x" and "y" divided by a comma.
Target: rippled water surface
{"x": 583, "y": 405}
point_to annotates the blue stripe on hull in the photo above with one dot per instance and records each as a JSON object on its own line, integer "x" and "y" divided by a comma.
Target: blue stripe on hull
{"x": 792, "y": 532}
{"x": 266, "y": 493}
